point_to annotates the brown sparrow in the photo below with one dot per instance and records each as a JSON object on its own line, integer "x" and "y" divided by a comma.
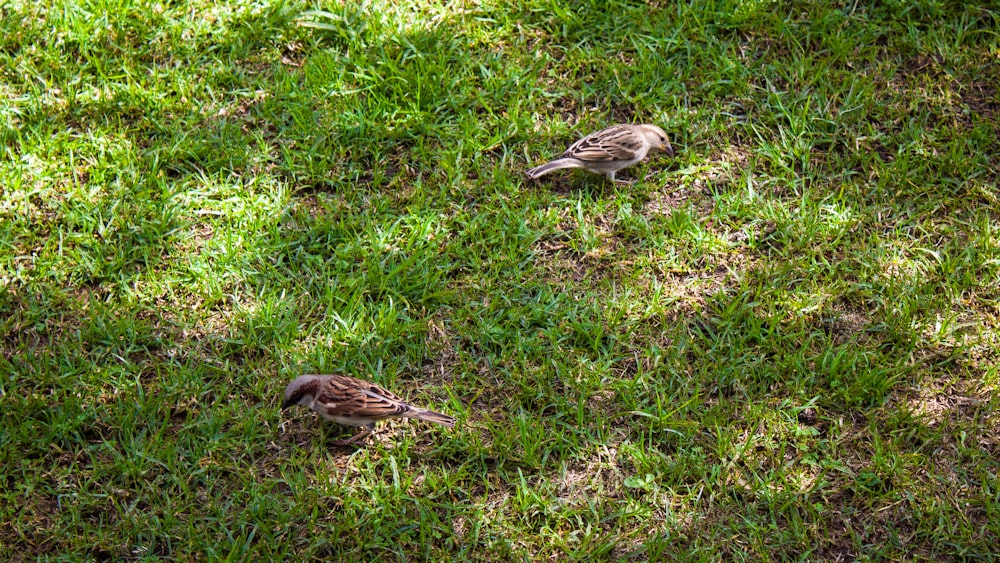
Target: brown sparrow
{"x": 609, "y": 150}
{"x": 353, "y": 402}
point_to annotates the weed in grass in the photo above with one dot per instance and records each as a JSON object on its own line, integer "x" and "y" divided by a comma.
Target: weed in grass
{"x": 780, "y": 344}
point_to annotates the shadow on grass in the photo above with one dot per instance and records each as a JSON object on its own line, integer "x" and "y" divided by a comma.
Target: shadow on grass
{"x": 340, "y": 215}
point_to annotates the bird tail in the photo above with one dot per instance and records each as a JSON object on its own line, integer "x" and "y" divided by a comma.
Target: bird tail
{"x": 556, "y": 164}
{"x": 431, "y": 416}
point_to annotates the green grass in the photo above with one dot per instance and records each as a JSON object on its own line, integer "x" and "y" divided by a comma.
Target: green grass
{"x": 780, "y": 345}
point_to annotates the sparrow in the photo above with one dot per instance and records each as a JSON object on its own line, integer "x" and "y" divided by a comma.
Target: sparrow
{"x": 609, "y": 150}
{"x": 354, "y": 402}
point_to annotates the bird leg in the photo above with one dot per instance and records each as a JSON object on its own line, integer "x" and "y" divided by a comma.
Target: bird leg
{"x": 369, "y": 428}
{"x": 611, "y": 176}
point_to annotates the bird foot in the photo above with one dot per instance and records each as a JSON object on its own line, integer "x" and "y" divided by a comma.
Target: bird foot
{"x": 353, "y": 440}
{"x": 345, "y": 443}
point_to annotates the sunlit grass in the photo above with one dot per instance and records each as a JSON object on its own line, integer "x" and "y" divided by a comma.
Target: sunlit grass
{"x": 779, "y": 345}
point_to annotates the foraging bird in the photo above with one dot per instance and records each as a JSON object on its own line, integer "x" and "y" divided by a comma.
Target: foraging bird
{"x": 609, "y": 150}
{"x": 354, "y": 402}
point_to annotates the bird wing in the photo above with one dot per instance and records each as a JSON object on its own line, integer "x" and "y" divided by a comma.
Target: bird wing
{"x": 620, "y": 142}
{"x": 344, "y": 396}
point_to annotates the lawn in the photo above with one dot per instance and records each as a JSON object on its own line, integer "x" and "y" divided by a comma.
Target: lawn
{"x": 780, "y": 344}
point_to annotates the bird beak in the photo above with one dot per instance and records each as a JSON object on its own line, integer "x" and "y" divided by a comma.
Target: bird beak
{"x": 667, "y": 149}
{"x": 285, "y": 404}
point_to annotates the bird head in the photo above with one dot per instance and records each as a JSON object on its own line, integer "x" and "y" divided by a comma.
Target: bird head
{"x": 657, "y": 139}
{"x": 301, "y": 391}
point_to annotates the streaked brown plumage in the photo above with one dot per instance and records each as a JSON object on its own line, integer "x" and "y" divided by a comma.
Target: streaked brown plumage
{"x": 609, "y": 150}
{"x": 354, "y": 402}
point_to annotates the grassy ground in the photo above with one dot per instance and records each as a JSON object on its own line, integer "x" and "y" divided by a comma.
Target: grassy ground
{"x": 781, "y": 344}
